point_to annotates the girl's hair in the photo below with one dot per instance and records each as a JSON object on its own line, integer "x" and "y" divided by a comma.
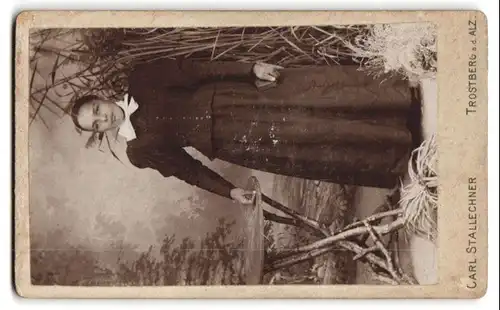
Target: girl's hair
{"x": 76, "y": 108}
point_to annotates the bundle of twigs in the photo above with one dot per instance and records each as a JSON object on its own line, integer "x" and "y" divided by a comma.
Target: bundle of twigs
{"x": 287, "y": 46}
{"x": 381, "y": 257}
{"x": 419, "y": 196}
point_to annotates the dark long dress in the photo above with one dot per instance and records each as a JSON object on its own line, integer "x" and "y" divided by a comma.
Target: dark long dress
{"x": 331, "y": 123}
{"x": 334, "y": 124}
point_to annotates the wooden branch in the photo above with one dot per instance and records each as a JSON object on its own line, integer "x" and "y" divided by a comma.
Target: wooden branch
{"x": 393, "y": 266}
{"x": 292, "y": 260}
{"x": 384, "y": 210}
{"x": 382, "y": 229}
{"x": 290, "y": 221}
{"x": 364, "y": 252}
{"x": 282, "y": 219}
{"x": 374, "y": 217}
{"x": 307, "y": 221}
{"x": 372, "y": 260}
{"x": 389, "y": 272}
{"x": 382, "y": 278}
{"x": 347, "y": 245}
{"x": 393, "y": 246}
{"x": 386, "y": 270}
{"x": 370, "y": 257}
{"x": 382, "y": 248}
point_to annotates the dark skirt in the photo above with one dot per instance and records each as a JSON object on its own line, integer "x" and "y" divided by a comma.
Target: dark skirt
{"x": 333, "y": 124}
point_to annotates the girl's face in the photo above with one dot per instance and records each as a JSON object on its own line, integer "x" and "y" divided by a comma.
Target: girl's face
{"x": 100, "y": 116}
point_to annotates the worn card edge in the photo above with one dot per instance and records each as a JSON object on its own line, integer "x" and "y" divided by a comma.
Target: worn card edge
{"x": 452, "y": 61}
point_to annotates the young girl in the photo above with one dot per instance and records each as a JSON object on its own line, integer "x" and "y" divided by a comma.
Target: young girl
{"x": 328, "y": 123}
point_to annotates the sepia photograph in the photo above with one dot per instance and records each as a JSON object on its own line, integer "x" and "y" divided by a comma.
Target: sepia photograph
{"x": 203, "y": 156}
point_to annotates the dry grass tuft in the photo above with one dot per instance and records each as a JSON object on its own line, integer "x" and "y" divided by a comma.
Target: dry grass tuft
{"x": 419, "y": 197}
{"x": 408, "y": 48}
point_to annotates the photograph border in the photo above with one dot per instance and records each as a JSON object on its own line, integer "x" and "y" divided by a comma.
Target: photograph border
{"x": 461, "y": 139}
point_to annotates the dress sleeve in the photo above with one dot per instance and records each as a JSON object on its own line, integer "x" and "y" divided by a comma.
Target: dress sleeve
{"x": 189, "y": 73}
{"x": 178, "y": 163}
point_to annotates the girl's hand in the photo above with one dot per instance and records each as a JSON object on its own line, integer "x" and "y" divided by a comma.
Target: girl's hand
{"x": 242, "y": 196}
{"x": 266, "y": 72}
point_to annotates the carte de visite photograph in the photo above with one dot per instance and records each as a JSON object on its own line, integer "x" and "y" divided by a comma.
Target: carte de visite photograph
{"x": 203, "y": 156}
